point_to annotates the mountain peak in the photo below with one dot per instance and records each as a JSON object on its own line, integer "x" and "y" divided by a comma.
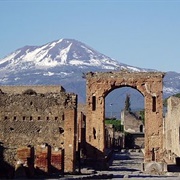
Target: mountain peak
{"x": 57, "y": 53}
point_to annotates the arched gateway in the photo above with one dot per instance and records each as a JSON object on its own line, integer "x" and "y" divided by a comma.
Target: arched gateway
{"x": 150, "y": 85}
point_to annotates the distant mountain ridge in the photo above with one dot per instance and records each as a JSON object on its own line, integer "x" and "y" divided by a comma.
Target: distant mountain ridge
{"x": 63, "y": 62}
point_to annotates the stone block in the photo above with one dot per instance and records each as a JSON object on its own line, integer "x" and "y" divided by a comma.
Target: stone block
{"x": 154, "y": 167}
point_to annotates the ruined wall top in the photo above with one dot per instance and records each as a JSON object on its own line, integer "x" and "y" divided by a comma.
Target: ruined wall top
{"x": 124, "y": 73}
{"x": 38, "y": 88}
{"x": 173, "y": 102}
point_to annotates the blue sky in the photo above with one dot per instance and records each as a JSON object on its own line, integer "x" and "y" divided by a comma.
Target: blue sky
{"x": 142, "y": 33}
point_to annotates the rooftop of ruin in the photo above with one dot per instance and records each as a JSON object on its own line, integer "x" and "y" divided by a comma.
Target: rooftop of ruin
{"x": 124, "y": 73}
{"x": 18, "y": 89}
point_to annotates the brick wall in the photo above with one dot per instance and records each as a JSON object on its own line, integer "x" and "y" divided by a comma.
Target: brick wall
{"x": 33, "y": 117}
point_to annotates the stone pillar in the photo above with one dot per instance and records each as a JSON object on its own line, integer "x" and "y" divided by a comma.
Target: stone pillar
{"x": 70, "y": 129}
{"x": 153, "y": 158}
{"x": 42, "y": 159}
{"x": 25, "y": 159}
{"x": 95, "y": 128}
{"x": 151, "y": 131}
{"x": 56, "y": 160}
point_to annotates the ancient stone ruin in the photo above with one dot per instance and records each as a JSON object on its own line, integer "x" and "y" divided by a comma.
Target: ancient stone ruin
{"x": 134, "y": 127}
{"x": 43, "y": 131}
{"x": 150, "y": 85}
{"x": 172, "y": 131}
{"x": 37, "y": 130}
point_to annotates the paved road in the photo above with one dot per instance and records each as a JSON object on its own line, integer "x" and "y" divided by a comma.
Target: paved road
{"x": 126, "y": 165}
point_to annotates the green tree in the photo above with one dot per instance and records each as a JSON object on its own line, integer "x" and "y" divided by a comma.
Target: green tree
{"x": 142, "y": 112}
{"x": 127, "y": 103}
{"x": 116, "y": 123}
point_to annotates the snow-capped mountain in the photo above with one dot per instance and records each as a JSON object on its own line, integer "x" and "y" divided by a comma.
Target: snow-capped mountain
{"x": 63, "y": 62}
{"x": 58, "y": 53}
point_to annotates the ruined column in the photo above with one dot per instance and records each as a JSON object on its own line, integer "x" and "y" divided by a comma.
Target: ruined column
{"x": 70, "y": 122}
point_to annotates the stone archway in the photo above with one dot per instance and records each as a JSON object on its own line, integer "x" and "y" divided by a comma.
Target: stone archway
{"x": 150, "y": 85}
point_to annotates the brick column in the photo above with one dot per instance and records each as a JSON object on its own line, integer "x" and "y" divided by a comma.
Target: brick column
{"x": 42, "y": 159}
{"x": 25, "y": 159}
{"x": 56, "y": 160}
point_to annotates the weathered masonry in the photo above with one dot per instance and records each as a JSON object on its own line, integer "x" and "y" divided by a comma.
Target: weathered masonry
{"x": 172, "y": 130}
{"x": 37, "y": 130}
{"x": 150, "y": 85}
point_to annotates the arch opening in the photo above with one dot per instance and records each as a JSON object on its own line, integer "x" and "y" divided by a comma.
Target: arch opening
{"x": 124, "y": 115}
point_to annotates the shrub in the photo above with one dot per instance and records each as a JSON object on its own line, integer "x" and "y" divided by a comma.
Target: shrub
{"x": 116, "y": 123}
{"x": 30, "y": 92}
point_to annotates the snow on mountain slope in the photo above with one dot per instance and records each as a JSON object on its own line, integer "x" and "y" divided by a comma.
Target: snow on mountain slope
{"x": 63, "y": 62}
{"x": 57, "y": 53}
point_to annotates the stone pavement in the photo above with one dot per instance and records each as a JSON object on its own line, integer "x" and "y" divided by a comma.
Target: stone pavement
{"x": 126, "y": 165}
